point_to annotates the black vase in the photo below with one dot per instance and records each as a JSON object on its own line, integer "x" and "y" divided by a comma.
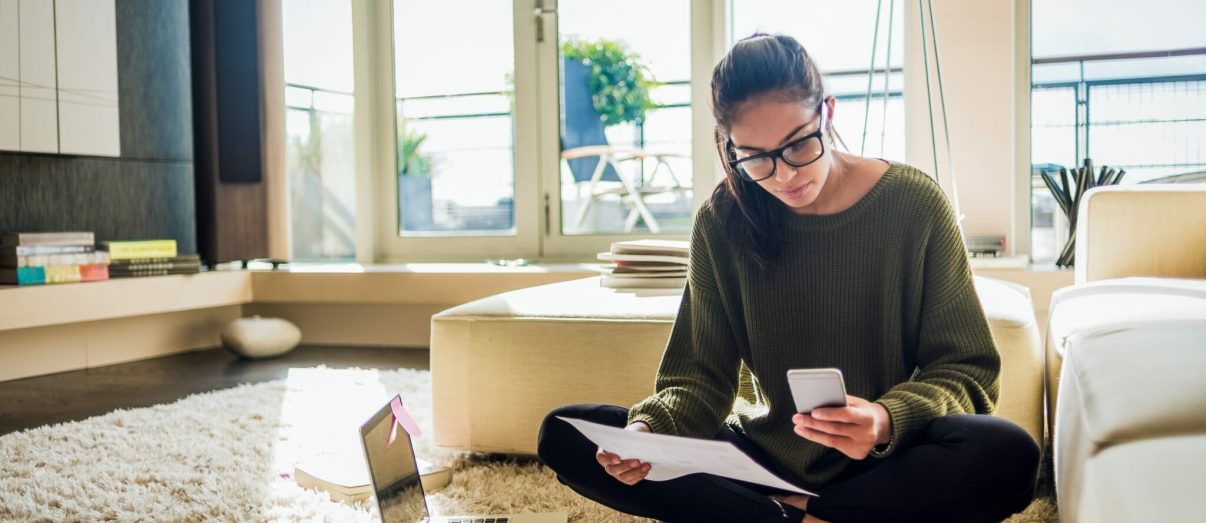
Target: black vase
{"x": 1069, "y": 190}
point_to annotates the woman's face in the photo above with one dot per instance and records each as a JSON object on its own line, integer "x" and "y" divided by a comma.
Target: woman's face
{"x": 769, "y": 122}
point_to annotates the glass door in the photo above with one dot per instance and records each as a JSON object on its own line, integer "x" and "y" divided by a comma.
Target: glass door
{"x": 617, "y": 123}
{"x": 464, "y": 167}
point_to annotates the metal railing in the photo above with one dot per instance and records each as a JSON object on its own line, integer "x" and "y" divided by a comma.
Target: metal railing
{"x": 1083, "y": 92}
{"x": 336, "y": 221}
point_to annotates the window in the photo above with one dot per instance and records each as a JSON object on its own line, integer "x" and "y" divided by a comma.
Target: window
{"x": 625, "y": 117}
{"x": 839, "y": 35}
{"x": 455, "y": 146}
{"x": 488, "y": 155}
{"x": 488, "y": 135}
{"x": 320, "y": 155}
{"x": 1124, "y": 86}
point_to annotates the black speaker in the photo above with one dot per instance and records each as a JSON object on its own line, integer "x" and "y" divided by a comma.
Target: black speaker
{"x": 232, "y": 208}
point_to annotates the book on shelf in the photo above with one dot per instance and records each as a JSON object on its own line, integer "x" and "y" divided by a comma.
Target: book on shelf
{"x": 7, "y": 251}
{"x": 183, "y": 261}
{"x": 46, "y": 274}
{"x": 179, "y": 259}
{"x": 66, "y": 239}
{"x": 182, "y": 264}
{"x": 42, "y": 260}
{"x": 35, "y": 258}
{"x": 138, "y": 273}
{"x": 138, "y": 249}
{"x": 346, "y": 478}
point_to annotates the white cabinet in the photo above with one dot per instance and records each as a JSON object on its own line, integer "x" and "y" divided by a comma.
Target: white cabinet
{"x": 58, "y": 77}
{"x": 39, "y": 118}
{"x": 87, "y": 80}
{"x": 10, "y": 70}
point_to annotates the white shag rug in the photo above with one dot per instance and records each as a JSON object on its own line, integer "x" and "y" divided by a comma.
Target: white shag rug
{"x": 220, "y": 456}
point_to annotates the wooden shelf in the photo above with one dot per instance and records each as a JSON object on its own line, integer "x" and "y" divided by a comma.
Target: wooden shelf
{"x": 414, "y": 284}
{"x": 41, "y": 305}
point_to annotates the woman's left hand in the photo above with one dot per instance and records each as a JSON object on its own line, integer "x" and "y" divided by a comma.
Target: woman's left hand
{"x": 853, "y": 430}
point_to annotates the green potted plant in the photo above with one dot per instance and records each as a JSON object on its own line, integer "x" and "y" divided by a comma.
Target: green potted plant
{"x": 619, "y": 82}
{"x": 414, "y": 179}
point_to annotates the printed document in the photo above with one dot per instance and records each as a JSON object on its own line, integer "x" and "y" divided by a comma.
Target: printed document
{"x": 674, "y": 456}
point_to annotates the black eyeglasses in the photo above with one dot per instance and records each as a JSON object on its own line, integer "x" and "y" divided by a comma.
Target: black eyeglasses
{"x": 797, "y": 153}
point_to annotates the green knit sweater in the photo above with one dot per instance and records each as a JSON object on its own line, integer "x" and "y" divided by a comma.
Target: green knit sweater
{"x": 881, "y": 290}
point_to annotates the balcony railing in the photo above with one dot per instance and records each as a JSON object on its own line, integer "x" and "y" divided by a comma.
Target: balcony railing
{"x": 1151, "y": 125}
{"x": 318, "y": 121}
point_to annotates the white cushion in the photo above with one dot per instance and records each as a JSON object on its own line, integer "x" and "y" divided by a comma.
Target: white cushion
{"x": 1140, "y": 379}
{"x": 1151, "y": 480}
{"x": 1131, "y": 350}
{"x": 1109, "y": 302}
{"x": 1006, "y": 304}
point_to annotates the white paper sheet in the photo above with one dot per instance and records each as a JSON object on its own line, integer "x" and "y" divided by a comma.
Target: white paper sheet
{"x": 673, "y": 456}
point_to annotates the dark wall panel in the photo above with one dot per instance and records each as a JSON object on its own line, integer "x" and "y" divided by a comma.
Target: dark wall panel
{"x": 117, "y": 199}
{"x": 155, "y": 90}
{"x": 146, "y": 193}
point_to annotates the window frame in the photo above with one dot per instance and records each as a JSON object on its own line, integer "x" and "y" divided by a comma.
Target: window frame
{"x": 536, "y": 142}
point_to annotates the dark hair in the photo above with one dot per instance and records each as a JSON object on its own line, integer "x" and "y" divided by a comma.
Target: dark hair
{"x": 758, "y": 65}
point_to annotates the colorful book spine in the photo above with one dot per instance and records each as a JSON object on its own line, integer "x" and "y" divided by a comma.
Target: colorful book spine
{"x": 54, "y": 274}
{"x": 94, "y": 272}
{"x": 23, "y": 276}
{"x": 131, "y": 250}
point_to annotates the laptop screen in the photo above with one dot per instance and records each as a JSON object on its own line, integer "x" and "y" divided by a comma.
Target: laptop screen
{"x": 393, "y": 469}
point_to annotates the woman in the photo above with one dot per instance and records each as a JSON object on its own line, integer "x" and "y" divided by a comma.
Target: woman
{"x": 808, "y": 257}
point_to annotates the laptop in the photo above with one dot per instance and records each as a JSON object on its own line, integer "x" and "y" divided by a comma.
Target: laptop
{"x": 394, "y": 473}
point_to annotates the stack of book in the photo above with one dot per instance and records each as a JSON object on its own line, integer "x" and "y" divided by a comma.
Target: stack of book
{"x": 645, "y": 264}
{"x": 33, "y": 258}
{"x": 128, "y": 259}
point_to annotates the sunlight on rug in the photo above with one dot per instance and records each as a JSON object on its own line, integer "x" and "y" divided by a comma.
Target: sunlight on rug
{"x": 221, "y": 456}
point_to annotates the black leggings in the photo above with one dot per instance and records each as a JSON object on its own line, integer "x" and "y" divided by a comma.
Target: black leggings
{"x": 959, "y": 468}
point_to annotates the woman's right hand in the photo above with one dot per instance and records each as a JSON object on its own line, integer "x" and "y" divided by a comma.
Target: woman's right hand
{"x": 626, "y": 471}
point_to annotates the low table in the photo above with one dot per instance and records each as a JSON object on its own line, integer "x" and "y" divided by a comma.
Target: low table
{"x": 501, "y": 363}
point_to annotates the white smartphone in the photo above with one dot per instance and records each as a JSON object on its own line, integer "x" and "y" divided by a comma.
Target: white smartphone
{"x": 813, "y": 388}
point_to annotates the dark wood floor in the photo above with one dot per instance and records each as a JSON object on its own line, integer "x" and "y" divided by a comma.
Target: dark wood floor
{"x": 76, "y": 395}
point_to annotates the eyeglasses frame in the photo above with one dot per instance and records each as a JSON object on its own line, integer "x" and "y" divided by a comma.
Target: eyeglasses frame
{"x": 777, "y": 153}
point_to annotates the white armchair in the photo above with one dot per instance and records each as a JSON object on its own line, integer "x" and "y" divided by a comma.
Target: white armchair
{"x": 1128, "y": 344}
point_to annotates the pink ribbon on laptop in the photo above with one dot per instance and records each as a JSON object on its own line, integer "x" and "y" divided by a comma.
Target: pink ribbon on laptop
{"x": 401, "y": 417}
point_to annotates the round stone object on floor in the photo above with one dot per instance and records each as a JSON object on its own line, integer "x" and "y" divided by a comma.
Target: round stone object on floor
{"x": 256, "y": 337}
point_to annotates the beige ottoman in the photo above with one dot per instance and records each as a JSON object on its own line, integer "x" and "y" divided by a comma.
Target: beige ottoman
{"x": 500, "y": 364}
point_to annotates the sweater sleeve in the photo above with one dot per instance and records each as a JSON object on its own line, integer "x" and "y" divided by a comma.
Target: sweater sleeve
{"x": 958, "y": 366}
{"x": 697, "y": 380}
